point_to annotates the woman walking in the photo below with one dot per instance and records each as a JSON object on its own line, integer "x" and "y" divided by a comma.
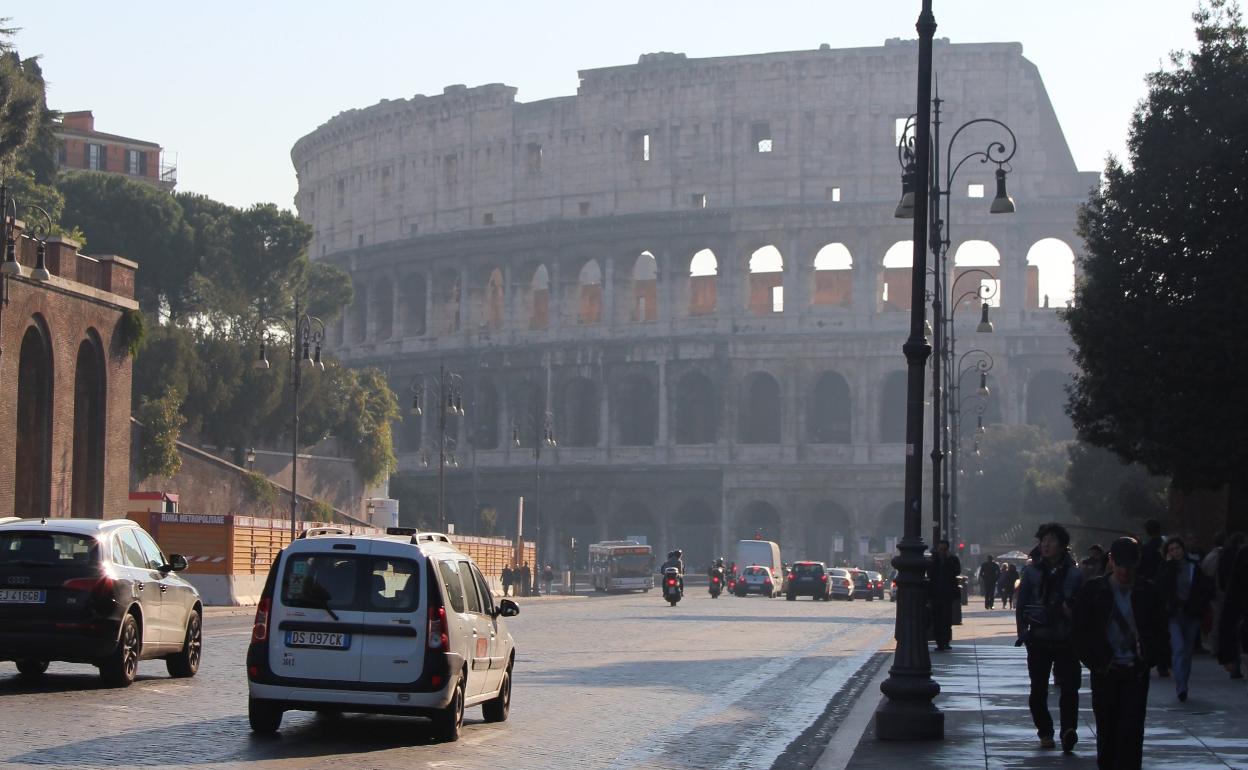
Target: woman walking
{"x": 1185, "y": 591}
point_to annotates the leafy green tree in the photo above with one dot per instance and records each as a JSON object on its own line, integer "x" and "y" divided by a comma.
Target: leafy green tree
{"x": 160, "y": 420}
{"x": 22, "y": 108}
{"x": 1014, "y": 484}
{"x": 1160, "y": 314}
{"x": 1106, "y": 492}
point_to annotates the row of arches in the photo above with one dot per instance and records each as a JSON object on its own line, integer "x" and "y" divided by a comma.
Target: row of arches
{"x": 529, "y": 296}
{"x": 626, "y": 413}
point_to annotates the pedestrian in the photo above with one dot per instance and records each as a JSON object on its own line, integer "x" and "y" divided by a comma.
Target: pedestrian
{"x": 526, "y": 579}
{"x": 1045, "y": 615}
{"x": 548, "y": 577}
{"x": 1218, "y": 566}
{"x": 942, "y": 576}
{"x": 1093, "y": 565}
{"x": 989, "y": 574}
{"x": 1152, "y": 551}
{"x": 508, "y": 579}
{"x": 1005, "y": 585}
{"x": 1186, "y": 592}
{"x": 1232, "y": 628}
{"x": 1120, "y": 632}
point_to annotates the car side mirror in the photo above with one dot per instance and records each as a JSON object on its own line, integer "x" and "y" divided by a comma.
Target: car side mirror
{"x": 177, "y": 562}
{"x": 507, "y": 608}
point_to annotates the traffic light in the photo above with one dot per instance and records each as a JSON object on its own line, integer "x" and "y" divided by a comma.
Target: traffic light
{"x": 961, "y": 546}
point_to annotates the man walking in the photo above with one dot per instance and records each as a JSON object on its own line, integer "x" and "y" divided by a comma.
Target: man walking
{"x": 989, "y": 574}
{"x": 508, "y": 578}
{"x": 1120, "y": 632}
{"x": 1045, "y": 614}
{"x": 942, "y": 575}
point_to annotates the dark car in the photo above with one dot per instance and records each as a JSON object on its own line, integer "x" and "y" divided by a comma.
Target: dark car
{"x": 862, "y": 584}
{"x": 808, "y": 578}
{"x": 94, "y": 591}
{"x": 877, "y": 584}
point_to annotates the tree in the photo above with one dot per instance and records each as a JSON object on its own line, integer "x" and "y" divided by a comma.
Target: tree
{"x": 1104, "y": 491}
{"x": 22, "y": 109}
{"x": 1159, "y": 316}
{"x": 1020, "y": 485}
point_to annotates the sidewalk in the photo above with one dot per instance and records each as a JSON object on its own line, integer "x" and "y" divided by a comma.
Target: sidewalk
{"x": 984, "y": 690}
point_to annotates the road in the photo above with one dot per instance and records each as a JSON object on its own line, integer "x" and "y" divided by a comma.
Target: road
{"x": 610, "y": 682}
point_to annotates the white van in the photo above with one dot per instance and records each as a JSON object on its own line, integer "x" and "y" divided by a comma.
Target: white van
{"x": 763, "y": 553}
{"x": 396, "y": 624}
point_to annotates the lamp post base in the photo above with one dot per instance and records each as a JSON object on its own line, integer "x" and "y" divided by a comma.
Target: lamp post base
{"x": 909, "y": 720}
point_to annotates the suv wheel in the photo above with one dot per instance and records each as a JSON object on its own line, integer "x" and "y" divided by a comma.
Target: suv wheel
{"x": 448, "y": 722}
{"x": 264, "y": 716}
{"x": 186, "y": 662}
{"x": 497, "y": 709}
{"x": 32, "y": 669}
{"x": 121, "y": 667}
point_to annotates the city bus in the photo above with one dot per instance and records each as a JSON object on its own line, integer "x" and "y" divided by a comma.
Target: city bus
{"x": 621, "y": 565}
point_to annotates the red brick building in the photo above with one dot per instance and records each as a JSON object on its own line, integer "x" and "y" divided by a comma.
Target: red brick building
{"x": 66, "y": 373}
{"x": 85, "y": 149}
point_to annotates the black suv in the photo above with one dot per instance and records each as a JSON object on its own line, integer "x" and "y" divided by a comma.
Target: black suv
{"x": 94, "y": 591}
{"x": 808, "y": 578}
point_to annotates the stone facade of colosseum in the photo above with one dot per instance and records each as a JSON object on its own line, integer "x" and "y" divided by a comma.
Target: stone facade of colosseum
{"x": 682, "y": 270}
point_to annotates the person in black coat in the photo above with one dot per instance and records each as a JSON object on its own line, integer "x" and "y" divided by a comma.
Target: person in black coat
{"x": 1185, "y": 592}
{"x": 1120, "y": 633}
{"x": 942, "y": 575}
{"x": 1233, "y": 624}
{"x": 989, "y": 574}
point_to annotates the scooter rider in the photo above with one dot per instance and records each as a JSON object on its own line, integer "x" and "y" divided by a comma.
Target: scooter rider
{"x": 674, "y": 560}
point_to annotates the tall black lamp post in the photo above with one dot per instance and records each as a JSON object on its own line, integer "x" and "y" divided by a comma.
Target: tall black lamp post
{"x": 543, "y": 435}
{"x": 449, "y": 403}
{"x": 306, "y": 336}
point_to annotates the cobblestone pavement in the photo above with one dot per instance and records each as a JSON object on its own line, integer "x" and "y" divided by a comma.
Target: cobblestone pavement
{"x": 603, "y": 682}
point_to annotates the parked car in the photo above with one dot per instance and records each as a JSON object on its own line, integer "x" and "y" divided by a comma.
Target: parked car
{"x": 807, "y": 578}
{"x": 758, "y": 579}
{"x": 877, "y": 584}
{"x": 892, "y": 587}
{"x": 401, "y": 623}
{"x": 862, "y": 584}
{"x": 95, "y": 591}
{"x": 842, "y": 584}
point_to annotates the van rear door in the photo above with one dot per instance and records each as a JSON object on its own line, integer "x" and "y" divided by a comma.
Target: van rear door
{"x": 395, "y": 624}
{"x": 316, "y": 617}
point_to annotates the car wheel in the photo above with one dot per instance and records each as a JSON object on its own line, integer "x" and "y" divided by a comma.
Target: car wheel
{"x": 186, "y": 663}
{"x": 791, "y": 597}
{"x": 497, "y": 708}
{"x": 263, "y": 716}
{"x": 449, "y": 721}
{"x": 120, "y": 668}
{"x": 32, "y": 669}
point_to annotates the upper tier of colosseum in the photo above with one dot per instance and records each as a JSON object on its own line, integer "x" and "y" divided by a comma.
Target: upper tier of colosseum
{"x": 669, "y": 133}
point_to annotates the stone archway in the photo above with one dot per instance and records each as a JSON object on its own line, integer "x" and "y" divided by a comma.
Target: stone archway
{"x": 32, "y": 496}
{"x": 827, "y": 521}
{"x": 90, "y": 381}
{"x": 695, "y": 530}
{"x": 759, "y": 520}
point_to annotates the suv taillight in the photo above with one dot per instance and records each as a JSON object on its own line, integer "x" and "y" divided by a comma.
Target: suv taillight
{"x": 438, "y": 639}
{"x": 260, "y": 629}
{"x": 96, "y": 585}
{"x": 823, "y": 578}
{"x": 792, "y": 576}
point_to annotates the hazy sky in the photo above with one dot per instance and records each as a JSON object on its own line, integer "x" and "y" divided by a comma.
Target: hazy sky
{"x": 227, "y": 87}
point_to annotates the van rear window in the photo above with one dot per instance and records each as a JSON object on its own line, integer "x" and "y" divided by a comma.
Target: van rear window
{"x": 351, "y": 582}
{"x": 53, "y": 549}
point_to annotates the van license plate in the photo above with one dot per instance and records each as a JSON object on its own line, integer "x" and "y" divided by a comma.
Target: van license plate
{"x": 321, "y": 639}
{"x": 23, "y": 596}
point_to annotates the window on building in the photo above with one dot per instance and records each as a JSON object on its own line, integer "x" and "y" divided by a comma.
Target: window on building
{"x": 62, "y": 155}
{"x": 974, "y": 191}
{"x": 487, "y": 218}
{"x": 413, "y": 229}
{"x": 639, "y": 146}
{"x": 533, "y": 159}
{"x": 699, "y": 200}
{"x": 132, "y": 162}
{"x": 96, "y": 159}
{"x": 833, "y": 194}
{"x": 359, "y": 240}
{"x": 584, "y": 207}
{"x": 760, "y": 137}
{"x": 450, "y": 169}
{"x": 901, "y": 127}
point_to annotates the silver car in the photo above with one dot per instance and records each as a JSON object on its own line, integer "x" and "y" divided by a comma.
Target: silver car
{"x": 842, "y": 584}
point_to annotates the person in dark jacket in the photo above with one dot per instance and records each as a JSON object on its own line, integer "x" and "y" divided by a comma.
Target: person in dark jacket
{"x": 509, "y": 577}
{"x": 1044, "y": 615}
{"x": 1233, "y": 624}
{"x": 1185, "y": 592}
{"x": 1120, "y": 632}
{"x": 1005, "y": 584}
{"x": 989, "y": 574}
{"x": 942, "y": 575}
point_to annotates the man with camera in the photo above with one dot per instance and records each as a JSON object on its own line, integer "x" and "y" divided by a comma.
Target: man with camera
{"x": 1045, "y": 617}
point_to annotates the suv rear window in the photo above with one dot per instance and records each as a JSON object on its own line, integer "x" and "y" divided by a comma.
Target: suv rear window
{"x": 808, "y": 570}
{"x": 351, "y": 582}
{"x": 47, "y": 548}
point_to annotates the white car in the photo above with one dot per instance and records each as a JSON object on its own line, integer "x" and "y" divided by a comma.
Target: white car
{"x": 758, "y": 579}
{"x": 401, "y": 623}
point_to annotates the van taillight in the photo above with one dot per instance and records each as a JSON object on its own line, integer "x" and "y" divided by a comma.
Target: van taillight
{"x": 260, "y": 630}
{"x": 438, "y": 639}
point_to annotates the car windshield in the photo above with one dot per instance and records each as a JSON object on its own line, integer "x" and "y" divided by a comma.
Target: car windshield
{"x": 50, "y": 549}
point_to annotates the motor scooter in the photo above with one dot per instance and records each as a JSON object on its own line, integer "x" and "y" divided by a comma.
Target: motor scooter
{"x": 716, "y": 584}
{"x": 673, "y": 586}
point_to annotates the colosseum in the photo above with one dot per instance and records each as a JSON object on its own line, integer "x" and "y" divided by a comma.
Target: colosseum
{"x": 691, "y": 273}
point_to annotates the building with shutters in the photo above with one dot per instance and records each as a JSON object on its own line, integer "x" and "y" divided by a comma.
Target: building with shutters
{"x": 83, "y": 148}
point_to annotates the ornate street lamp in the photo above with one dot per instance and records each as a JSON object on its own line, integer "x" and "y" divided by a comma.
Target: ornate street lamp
{"x": 983, "y": 364}
{"x": 449, "y": 402}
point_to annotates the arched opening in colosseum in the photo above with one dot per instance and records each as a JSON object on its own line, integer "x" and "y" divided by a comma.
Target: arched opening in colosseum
{"x": 579, "y": 415}
{"x": 1046, "y": 403}
{"x": 827, "y": 520}
{"x": 447, "y": 293}
{"x": 413, "y": 298}
{"x": 829, "y": 419}
{"x": 695, "y": 530}
{"x": 90, "y": 376}
{"x": 759, "y": 521}
{"x": 644, "y": 289}
{"x": 358, "y": 317}
{"x": 1050, "y": 274}
{"x": 703, "y": 275}
{"x": 634, "y": 519}
{"x": 893, "y": 408}
{"x": 891, "y": 522}
{"x": 973, "y": 406}
{"x": 766, "y": 281}
{"x": 971, "y": 258}
{"x": 383, "y": 309}
{"x": 484, "y": 415}
{"x": 575, "y": 520}
{"x": 636, "y": 412}
{"x": 539, "y": 305}
{"x": 527, "y": 406}
{"x": 33, "y": 457}
{"x": 895, "y": 279}
{"x": 494, "y": 305}
{"x": 834, "y": 277}
{"x": 697, "y": 409}
{"x": 589, "y": 293}
{"x": 758, "y": 415}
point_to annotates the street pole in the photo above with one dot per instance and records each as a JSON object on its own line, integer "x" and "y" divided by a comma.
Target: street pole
{"x": 442, "y": 409}
{"x": 938, "y": 332}
{"x": 296, "y": 380}
{"x": 908, "y": 713}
